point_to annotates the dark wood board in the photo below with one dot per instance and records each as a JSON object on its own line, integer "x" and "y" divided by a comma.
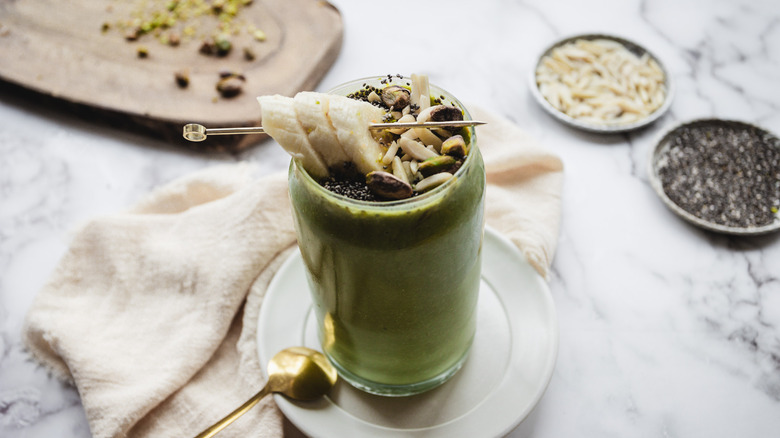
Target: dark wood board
{"x": 57, "y": 53}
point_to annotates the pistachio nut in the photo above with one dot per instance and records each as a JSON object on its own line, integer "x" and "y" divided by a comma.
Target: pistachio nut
{"x": 230, "y": 86}
{"x": 208, "y": 47}
{"x": 182, "y": 78}
{"x": 133, "y": 34}
{"x": 174, "y": 39}
{"x": 249, "y": 54}
{"x": 445, "y": 113}
{"x": 223, "y": 45}
{"x": 436, "y": 165}
{"x": 388, "y": 186}
{"x": 454, "y": 146}
{"x": 395, "y": 97}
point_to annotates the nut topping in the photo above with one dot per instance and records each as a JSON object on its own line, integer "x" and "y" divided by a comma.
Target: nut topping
{"x": 388, "y": 186}
{"x": 395, "y": 97}
{"x": 445, "y": 113}
{"x": 436, "y": 165}
{"x": 454, "y": 146}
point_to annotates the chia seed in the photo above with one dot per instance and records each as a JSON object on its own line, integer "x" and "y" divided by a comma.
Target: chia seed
{"x": 363, "y": 93}
{"x": 727, "y": 173}
{"x": 350, "y": 188}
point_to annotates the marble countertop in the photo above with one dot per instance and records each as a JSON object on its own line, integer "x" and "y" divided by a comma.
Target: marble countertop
{"x": 665, "y": 330}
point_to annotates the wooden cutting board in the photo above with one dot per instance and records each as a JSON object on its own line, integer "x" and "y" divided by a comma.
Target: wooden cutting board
{"x": 59, "y": 53}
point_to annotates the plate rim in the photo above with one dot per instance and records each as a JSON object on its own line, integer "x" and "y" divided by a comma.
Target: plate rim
{"x": 590, "y": 127}
{"x": 655, "y": 180}
{"x": 304, "y": 414}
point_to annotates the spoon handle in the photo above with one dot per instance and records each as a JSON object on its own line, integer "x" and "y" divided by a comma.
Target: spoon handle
{"x": 233, "y": 416}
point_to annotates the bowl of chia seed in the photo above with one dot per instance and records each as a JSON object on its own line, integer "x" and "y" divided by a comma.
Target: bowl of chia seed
{"x": 720, "y": 175}
{"x": 601, "y": 83}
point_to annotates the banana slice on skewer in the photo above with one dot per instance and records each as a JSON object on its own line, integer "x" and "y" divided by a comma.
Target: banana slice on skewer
{"x": 280, "y": 121}
{"x": 324, "y": 131}
{"x": 351, "y": 120}
{"x": 312, "y": 109}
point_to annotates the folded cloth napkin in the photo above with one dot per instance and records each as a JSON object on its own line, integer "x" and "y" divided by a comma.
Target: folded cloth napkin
{"x": 152, "y": 312}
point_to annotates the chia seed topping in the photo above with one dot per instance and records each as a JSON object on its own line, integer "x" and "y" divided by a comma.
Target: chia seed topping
{"x": 350, "y": 188}
{"x": 727, "y": 173}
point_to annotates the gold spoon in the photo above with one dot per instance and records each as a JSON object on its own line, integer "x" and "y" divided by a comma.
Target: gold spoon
{"x": 196, "y": 132}
{"x": 297, "y": 372}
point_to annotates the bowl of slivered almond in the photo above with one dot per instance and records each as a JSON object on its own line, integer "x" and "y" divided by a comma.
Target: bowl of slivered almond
{"x": 601, "y": 83}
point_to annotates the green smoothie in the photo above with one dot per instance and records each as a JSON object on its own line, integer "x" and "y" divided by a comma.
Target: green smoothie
{"x": 394, "y": 284}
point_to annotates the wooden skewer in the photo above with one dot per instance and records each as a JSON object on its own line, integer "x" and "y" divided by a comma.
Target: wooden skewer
{"x": 196, "y": 132}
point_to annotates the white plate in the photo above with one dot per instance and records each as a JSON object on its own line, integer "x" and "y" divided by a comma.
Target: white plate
{"x": 505, "y": 376}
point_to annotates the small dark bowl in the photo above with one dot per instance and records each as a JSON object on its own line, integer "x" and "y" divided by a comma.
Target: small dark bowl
{"x": 662, "y": 146}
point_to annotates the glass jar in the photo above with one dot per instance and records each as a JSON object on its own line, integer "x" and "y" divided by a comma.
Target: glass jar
{"x": 394, "y": 284}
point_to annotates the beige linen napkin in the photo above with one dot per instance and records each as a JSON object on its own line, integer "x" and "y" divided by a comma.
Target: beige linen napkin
{"x": 152, "y": 312}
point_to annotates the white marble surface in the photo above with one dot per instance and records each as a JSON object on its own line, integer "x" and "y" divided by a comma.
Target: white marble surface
{"x": 666, "y": 331}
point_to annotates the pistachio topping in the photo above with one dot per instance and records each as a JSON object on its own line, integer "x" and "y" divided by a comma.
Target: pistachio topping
{"x": 325, "y": 131}
{"x": 395, "y": 97}
{"x": 420, "y": 157}
{"x": 436, "y": 165}
{"x": 388, "y": 186}
{"x": 454, "y": 146}
{"x": 446, "y": 113}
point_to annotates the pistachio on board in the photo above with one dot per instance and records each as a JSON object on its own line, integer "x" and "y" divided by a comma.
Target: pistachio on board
{"x": 230, "y": 86}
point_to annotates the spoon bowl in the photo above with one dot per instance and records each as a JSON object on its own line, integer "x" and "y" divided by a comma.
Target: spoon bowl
{"x": 299, "y": 373}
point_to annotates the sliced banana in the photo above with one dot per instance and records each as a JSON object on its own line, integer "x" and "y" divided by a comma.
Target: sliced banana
{"x": 280, "y": 121}
{"x": 312, "y": 109}
{"x": 351, "y": 119}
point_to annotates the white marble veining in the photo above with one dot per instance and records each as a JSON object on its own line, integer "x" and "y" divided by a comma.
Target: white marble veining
{"x": 666, "y": 330}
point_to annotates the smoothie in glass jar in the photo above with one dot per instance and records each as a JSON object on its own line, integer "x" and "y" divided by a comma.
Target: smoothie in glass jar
{"x": 395, "y": 282}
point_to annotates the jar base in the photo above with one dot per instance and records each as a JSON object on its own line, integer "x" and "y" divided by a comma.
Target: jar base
{"x": 404, "y": 390}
